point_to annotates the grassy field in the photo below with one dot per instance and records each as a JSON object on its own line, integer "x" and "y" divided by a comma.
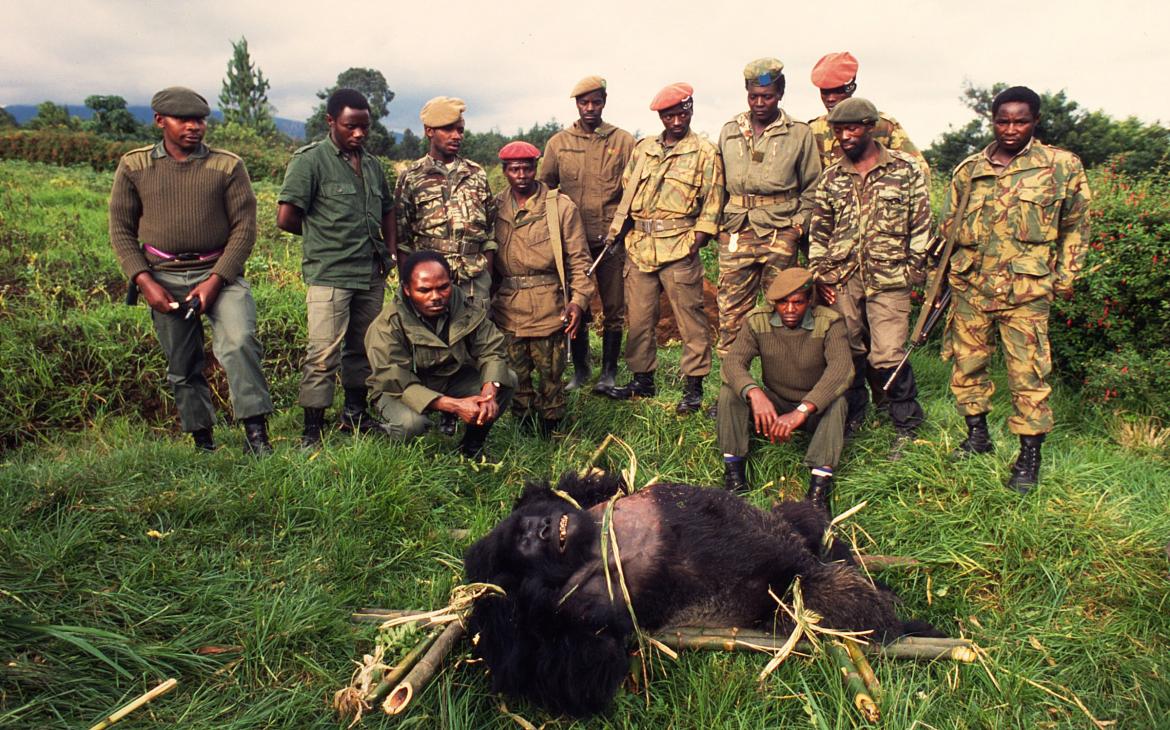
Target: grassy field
{"x": 126, "y": 558}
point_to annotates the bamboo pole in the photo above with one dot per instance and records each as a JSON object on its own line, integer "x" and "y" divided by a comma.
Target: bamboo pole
{"x": 381, "y": 615}
{"x": 864, "y": 669}
{"x": 424, "y": 670}
{"x": 126, "y": 709}
{"x": 395, "y": 674}
{"x": 878, "y": 562}
{"x": 854, "y": 684}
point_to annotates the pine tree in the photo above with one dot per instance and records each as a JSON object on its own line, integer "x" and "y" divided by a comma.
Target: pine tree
{"x": 373, "y": 85}
{"x": 244, "y": 96}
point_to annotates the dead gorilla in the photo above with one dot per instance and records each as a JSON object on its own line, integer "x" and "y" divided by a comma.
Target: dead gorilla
{"x": 691, "y": 556}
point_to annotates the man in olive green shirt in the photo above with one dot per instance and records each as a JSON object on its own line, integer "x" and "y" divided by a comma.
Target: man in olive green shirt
{"x": 335, "y": 195}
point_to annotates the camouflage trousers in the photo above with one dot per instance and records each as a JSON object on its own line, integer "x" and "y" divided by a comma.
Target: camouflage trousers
{"x": 1023, "y": 330}
{"x": 744, "y": 273}
{"x": 544, "y": 357}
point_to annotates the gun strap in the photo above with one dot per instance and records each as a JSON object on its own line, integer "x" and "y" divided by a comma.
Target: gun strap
{"x": 552, "y": 214}
{"x": 627, "y": 201}
{"x": 944, "y": 261}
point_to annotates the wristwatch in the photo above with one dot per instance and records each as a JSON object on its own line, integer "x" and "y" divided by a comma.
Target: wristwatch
{"x": 803, "y": 409}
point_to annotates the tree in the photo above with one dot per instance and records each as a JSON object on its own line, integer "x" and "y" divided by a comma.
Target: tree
{"x": 53, "y": 116}
{"x": 410, "y": 147}
{"x": 373, "y": 85}
{"x": 7, "y": 121}
{"x": 243, "y": 99}
{"x": 111, "y": 119}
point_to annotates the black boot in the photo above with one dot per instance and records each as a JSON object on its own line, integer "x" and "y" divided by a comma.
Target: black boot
{"x": 611, "y": 349}
{"x": 692, "y": 398}
{"x": 447, "y": 423}
{"x": 579, "y": 352}
{"x": 820, "y": 491}
{"x": 735, "y": 476}
{"x": 902, "y": 405}
{"x": 354, "y": 416}
{"x": 314, "y": 425}
{"x": 548, "y": 426}
{"x": 856, "y": 398}
{"x": 1026, "y": 470}
{"x": 203, "y": 440}
{"x": 256, "y": 436}
{"x": 641, "y": 385}
{"x": 978, "y": 439}
{"x": 474, "y": 441}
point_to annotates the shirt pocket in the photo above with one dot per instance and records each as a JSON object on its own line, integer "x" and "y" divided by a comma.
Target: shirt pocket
{"x": 680, "y": 186}
{"x": 611, "y": 165}
{"x": 971, "y": 224}
{"x": 570, "y": 165}
{"x": 891, "y": 215}
{"x": 962, "y": 268}
{"x": 1035, "y": 217}
{"x": 342, "y": 190}
{"x": 1031, "y": 279}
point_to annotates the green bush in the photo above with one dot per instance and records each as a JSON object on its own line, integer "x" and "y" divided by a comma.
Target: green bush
{"x": 56, "y": 147}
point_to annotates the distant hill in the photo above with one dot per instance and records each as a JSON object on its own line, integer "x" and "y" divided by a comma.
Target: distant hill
{"x": 142, "y": 112}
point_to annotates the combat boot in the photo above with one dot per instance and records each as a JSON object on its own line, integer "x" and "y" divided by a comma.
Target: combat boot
{"x": 447, "y": 423}
{"x": 474, "y": 442}
{"x": 256, "y": 436}
{"x": 820, "y": 490}
{"x": 548, "y": 426}
{"x": 1026, "y": 470}
{"x": 735, "y": 476}
{"x": 314, "y": 425}
{"x": 641, "y": 385}
{"x": 579, "y": 352}
{"x": 203, "y": 440}
{"x": 354, "y": 416}
{"x": 611, "y": 349}
{"x": 978, "y": 439}
{"x": 692, "y": 398}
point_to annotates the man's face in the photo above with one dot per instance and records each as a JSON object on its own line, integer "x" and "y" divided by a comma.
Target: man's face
{"x": 185, "y": 133}
{"x": 350, "y": 129}
{"x": 590, "y": 106}
{"x": 832, "y": 97}
{"x": 429, "y": 289}
{"x": 764, "y": 102}
{"x": 676, "y": 121}
{"x": 854, "y": 138}
{"x": 1014, "y": 126}
{"x": 446, "y": 141}
{"x": 792, "y": 308}
{"x": 521, "y": 175}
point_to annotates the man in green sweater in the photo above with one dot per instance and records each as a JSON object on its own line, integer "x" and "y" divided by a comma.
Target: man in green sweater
{"x": 806, "y": 366}
{"x": 182, "y": 223}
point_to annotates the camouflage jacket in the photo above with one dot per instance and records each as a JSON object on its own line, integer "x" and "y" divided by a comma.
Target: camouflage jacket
{"x": 783, "y": 163}
{"x": 587, "y": 166}
{"x": 877, "y": 225}
{"x": 887, "y": 131}
{"x": 1023, "y": 234}
{"x": 679, "y": 191}
{"x": 449, "y": 209}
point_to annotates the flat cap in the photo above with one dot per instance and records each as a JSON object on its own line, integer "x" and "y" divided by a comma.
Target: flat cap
{"x": 673, "y": 95}
{"x": 179, "y": 101}
{"x": 441, "y": 111}
{"x": 854, "y": 110}
{"x": 788, "y": 281}
{"x": 763, "y": 71}
{"x": 519, "y": 150}
{"x": 834, "y": 70}
{"x": 587, "y": 84}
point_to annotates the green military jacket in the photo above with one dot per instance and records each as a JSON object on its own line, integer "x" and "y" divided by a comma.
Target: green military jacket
{"x": 679, "y": 191}
{"x": 782, "y": 166}
{"x": 1022, "y": 236}
{"x": 587, "y": 166}
{"x": 877, "y": 226}
{"x": 342, "y": 222}
{"x": 887, "y": 131}
{"x": 447, "y": 208}
{"x": 411, "y": 361}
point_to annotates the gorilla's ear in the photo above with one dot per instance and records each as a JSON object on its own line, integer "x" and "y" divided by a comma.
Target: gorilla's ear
{"x": 534, "y": 493}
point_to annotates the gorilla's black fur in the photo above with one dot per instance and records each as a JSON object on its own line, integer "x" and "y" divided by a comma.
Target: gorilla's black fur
{"x": 691, "y": 556}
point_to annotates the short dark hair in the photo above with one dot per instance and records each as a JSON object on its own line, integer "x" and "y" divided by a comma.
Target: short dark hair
{"x": 777, "y": 84}
{"x": 1014, "y": 94}
{"x": 343, "y": 98}
{"x": 422, "y": 257}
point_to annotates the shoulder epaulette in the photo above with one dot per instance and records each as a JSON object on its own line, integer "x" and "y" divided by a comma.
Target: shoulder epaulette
{"x": 760, "y": 319}
{"x": 137, "y": 158}
{"x": 306, "y": 148}
{"x": 823, "y": 318}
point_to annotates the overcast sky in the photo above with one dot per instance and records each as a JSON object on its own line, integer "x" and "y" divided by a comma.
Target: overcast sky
{"x": 516, "y": 67}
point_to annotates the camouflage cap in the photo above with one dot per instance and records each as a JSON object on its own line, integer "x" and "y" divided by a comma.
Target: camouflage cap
{"x": 179, "y": 101}
{"x": 677, "y": 93}
{"x": 587, "y": 84}
{"x": 519, "y": 150}
{"x": 763, "y": 71}
{"x": 834, "y": 70}
{"x": 854, "y": 110}
{"x": 441, "y": 111}
{"x": 788, "y": 281}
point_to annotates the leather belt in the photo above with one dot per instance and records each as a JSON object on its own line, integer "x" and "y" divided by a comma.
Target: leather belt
{"x": 657, "y": 225}
{"x": 528, "y": 282}
{"x": 446, "y": 245}
{"x": 186, "y": 256}
{"x": 759, "y": 201}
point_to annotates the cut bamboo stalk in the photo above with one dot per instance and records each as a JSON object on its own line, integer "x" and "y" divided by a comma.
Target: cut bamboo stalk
{"x": 854, "y": 684}
{"x": 133, "y": 705}
{"x": 422, "y": 672}
{"x": 878, "y": 562}
{"x": 596, "y": 455}
{"x": 864, "y": 669}
{"x": 395, "y": 674}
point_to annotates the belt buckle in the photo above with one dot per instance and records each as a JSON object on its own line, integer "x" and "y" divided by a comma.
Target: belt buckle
{"x": 187, "y": 256}
{"x": 659, "y": 225}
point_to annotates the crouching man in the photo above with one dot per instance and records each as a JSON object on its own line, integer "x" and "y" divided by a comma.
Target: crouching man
{"x": 432, "y": 350}
{"x": 805, "y": 367}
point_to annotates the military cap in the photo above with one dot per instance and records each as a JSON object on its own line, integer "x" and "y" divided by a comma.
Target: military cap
{"x": 788, "y": 281}
{"x": 179, "y": 101}
{"x": 519, "y": 150}
{"x": 441, "y": 111}
{"x": 854, "y": 110}
{"x": 587, "y": 84}
{"x": 673, "y": 95}
{"x": 834, "y": 70}
{"x": 763, "y": 71}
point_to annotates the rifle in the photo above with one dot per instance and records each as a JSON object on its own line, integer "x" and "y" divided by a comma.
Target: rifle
{"x": 609, "y": 245}
{"x": 614, "y": 239}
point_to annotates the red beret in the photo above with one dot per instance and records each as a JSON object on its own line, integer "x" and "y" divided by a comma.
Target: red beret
{"x": 676, "y": 93}
{"x": 834, "y": 70}
{"x": 519, "y": 150}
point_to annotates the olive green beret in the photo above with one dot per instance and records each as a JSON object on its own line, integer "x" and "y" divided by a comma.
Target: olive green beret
{"x": 179, "y": 101}
{"x": 587, "y": 84}
{"x": 441, "y": 111}
{"x": 854, "y": 110}
{"x": 763, "y": 71}
{"x": 788, "y": 281}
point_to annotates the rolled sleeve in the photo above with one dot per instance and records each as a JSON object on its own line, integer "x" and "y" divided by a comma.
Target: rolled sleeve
{"x": 298, "y": 187}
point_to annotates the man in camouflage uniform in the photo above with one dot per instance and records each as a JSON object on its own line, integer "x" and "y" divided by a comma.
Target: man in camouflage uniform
{"x": 586, "y": 161}
{"x": 770, "y": 165}
{"x": 542, "y": 253}
{"x": 836, "y": 76}
{"x": 677, "y": 181}
{"x": 1020, "y": 241}
{"x": 868, "y": 238}
{"x": 444, "y": 203}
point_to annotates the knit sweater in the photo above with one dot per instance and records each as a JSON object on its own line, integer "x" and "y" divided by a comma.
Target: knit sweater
{"x": 195, "y": 206}
{"x": 811, "y": 362}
